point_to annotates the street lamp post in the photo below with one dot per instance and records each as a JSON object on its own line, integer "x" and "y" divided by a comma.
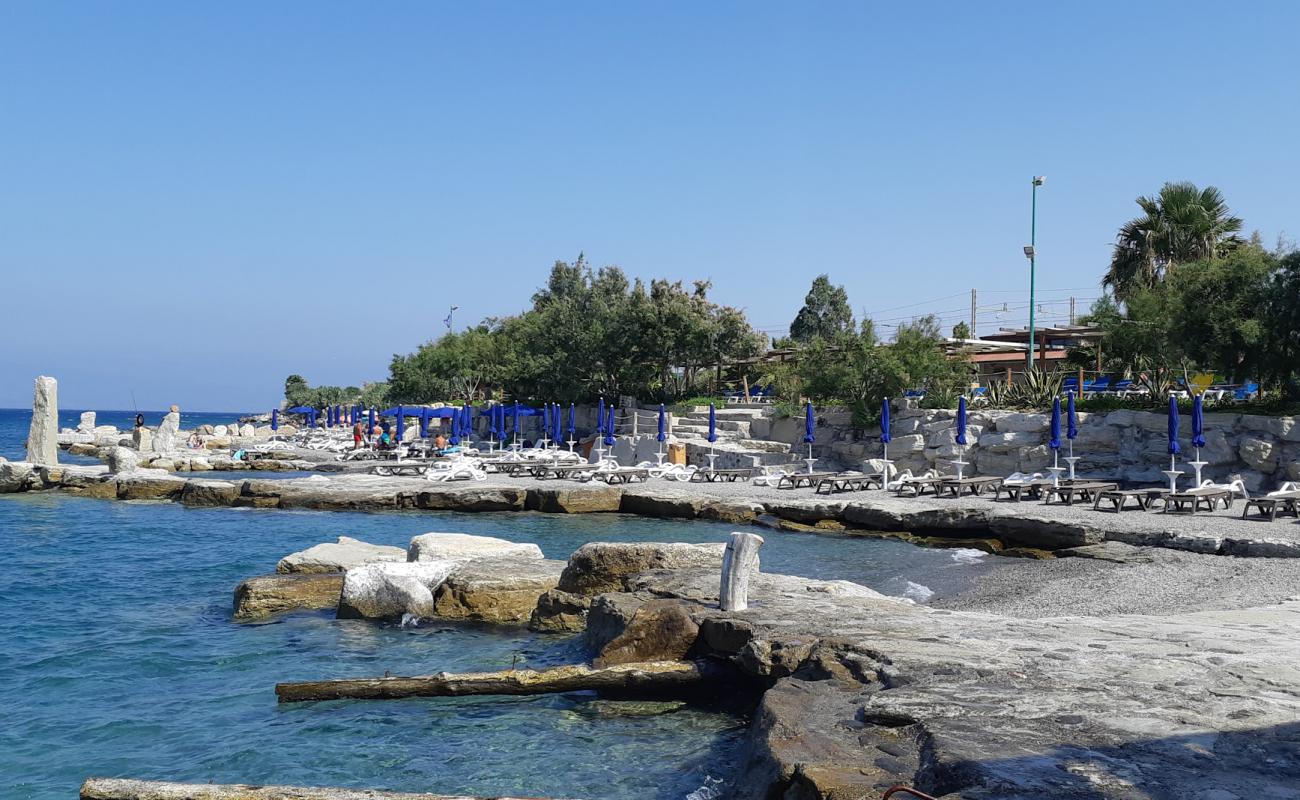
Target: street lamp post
{"x": 1030, "y": 254}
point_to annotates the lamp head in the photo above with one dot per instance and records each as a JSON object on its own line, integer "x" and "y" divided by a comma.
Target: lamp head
{"x": 1039, "y": 180}
{"x": 1029, "y": 251}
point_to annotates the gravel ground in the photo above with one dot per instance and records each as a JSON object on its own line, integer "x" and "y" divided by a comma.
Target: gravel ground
{"x": 1167, "y": 582}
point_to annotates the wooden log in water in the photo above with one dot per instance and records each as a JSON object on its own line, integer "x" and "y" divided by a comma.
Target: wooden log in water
{"x": 637, "y": 679}
{"x": 125, "y": 789}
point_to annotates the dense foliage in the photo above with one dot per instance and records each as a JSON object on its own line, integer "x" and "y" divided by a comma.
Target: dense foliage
{"x": 297, "y": 392}
{"x": 1233, "y": 315}
{"x": 588, "y": 333}
{"x": 825, "y": 313}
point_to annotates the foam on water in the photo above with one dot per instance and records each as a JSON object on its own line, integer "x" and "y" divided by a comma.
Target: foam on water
{"x": 967, "y": 555}
{"x": 918, "y": 592}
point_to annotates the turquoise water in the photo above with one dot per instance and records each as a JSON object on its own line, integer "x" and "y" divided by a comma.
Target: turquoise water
{"x": 118, "y": 657}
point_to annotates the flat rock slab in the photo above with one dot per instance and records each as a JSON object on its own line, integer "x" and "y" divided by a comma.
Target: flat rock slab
{"x": 463, "y": 546}
{"x": 603, "y": 566}
{"x": 260, "y": 597}
{"x": 502, "y": 589}
{"x": 338, "y": 556}
{"x": 1116, "y": 552}
{"x": 1195, "y": 705}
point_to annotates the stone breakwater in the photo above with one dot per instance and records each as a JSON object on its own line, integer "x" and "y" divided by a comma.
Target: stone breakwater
{"x": 1016, "y": 528}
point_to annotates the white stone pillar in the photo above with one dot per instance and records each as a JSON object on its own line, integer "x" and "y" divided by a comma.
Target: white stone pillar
{"x": 43, "y": 436}
{"x": 738, "y": 562}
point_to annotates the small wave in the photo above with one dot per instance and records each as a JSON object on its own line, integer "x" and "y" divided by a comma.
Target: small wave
{"x": 918, "y": 592}
{"x": 410, "y": 621}
{"x": 711, "y": 789}
{"x": 967, "y": 555}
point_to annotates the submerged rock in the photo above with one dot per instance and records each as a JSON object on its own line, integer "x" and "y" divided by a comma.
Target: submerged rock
{"x": 338, "y": 556}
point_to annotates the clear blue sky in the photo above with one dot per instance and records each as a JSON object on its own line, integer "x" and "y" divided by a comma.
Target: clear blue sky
{"x": 198, "y": 199}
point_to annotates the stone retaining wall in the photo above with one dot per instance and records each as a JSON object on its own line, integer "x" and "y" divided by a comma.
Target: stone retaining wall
{"x": 1124, "y": 445}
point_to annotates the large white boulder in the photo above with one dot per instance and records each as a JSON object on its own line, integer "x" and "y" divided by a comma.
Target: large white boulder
{"x": 391, "y": 590}
{"x": 122, "y": 459}
{"x": 14, "y": 475}
{"x": 463, "y": 547}
{"x": 164, "y": 441}
{"x": 87, "y": 423}
{"x": 347, "y": 553}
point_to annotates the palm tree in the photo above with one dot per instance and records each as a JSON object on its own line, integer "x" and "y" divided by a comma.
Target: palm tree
{"x": 1181, "y": 224}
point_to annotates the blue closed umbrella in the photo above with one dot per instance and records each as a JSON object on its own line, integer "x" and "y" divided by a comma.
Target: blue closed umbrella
{"x": 662, "y": 435}
{"x": 1072, "y": 419}
{"x": 808, "y": 424}
{"x": 609, "y": 427}
{"x": 600, "y": 417}
{"x": 371, "y": 426}
{"x": 1055, "y": 441}
{"x": 885, "y": 438}
{"x": 467, "y": 417}
{"x": 1198, "y": 424}
{"x": 573, "y": 412}
{"x": 1174, "y": 449}
{"x": 713, "y": 424}
{"x": 275, "y": 419}
{"x": 401, "y": 424}
{"x": 424, "y": 423}
{"x": 559, "y": 424}
{"x": 338, "y": 415}
{"x": 311, "y": 417}
{"x": 961, "y": 420}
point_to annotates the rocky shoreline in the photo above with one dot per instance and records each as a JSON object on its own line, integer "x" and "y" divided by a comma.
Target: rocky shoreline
{"x": 858, "y": 691}
{"x": 1027, "y": 528}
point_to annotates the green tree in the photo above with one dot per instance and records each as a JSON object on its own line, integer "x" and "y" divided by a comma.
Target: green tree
{"x": 1217, "y": 312}
{"x": 1179, "y": 225}
{"x": 296, "y": 390}
{"x": 1281, "y": 361}
{"x": 825, "y": 313}
{"x": 961, "y": 331}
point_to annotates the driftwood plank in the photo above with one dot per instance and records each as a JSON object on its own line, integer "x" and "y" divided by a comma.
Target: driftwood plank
{"x": 646, "y": 678}
{"x": 126, "y": 789}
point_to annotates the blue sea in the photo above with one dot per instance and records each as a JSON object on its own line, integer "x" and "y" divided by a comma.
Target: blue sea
{"x": 118, "y": 656}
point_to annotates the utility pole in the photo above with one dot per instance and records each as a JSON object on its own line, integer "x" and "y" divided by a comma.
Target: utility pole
{"x": 1029, "y": 252}
{"x": 1071, "y": 311}
{"x": 972, "y": 315}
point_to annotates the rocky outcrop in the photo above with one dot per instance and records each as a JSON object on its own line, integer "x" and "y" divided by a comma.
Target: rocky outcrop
{"x": 660, "y": 630}
{"x": 218, "y": 494}
{"x": 646, "y": 503}
{"x": 43, "y": 433}
{"x": 339, "y": 556}
{"x": 142, "y": 440}
{"x": 149, "y": 485}
{"x": 559, "y": 611}
{"x": 574, "y": 500}
{"x": 463, "y": 547}
{"x": 467, "y": 499}
{"x": 497, "y": 589}
{"x": 260, "y": 597}
{"x": 15, "y": 476}
{"x": 122, "y": 459}
{"x": 599, "y": 567}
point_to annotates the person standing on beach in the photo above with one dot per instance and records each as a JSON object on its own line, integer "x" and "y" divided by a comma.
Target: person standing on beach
{"x": 358, "y": 433}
